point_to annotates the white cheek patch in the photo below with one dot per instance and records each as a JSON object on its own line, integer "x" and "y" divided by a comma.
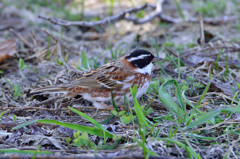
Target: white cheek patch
{"x": 147, "y": 69}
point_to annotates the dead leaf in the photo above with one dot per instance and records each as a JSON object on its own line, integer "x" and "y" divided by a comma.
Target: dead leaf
{"x": 7, "y": 49}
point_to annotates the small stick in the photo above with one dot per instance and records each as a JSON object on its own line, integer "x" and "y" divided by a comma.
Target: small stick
{"x": 202, "y": 36}
{"x": 21, "y": 38}
{"x": 47, "y": 109}
{"x": 111, "y": 19}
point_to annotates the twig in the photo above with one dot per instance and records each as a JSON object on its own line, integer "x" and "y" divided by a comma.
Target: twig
{"x": 215, "y": 21}
{"x": 202, "y": 37}
{"x": 85, "y": 155}
{"x": 59, "y": 52}
{"x": 125, "y": 16}
{"x": 21, "y": 38}
{"x": 47, "y": 101}
{"x": 47, "y": 109}
{"x": 114, "y": 18}
{"x": 217, "y": 125}
{"x": 157, "y": 12}
{"x": 228, "y": 48}
{"x": 57, "y": 40}
{"x": 59, "y": 45}
{"x": 171, "y": 51}
{"x": 187, "y": 62}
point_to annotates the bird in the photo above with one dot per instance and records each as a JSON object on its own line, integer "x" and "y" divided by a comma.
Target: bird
{"x": 111, "y": 79}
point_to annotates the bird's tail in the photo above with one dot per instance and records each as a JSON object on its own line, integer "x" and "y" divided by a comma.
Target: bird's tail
{"x": 49, "y": 90}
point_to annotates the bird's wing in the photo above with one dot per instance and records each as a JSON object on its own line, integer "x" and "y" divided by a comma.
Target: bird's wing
{"x": 107, "y": 76}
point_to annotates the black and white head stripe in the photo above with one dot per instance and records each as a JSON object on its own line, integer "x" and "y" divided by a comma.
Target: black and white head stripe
{"x": 140, "y": 58}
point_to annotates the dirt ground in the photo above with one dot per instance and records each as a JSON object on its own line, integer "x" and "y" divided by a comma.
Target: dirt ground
{"x": 35, "y": 53}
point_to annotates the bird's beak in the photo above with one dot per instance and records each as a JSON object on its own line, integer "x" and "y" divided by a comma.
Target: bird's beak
{"x": 156, "y": 59}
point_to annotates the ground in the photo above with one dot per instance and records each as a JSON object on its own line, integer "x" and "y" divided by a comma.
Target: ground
{"x": 191, "y": 109}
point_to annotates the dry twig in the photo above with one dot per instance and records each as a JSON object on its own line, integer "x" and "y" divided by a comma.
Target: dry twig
{"x": 216, "y": 20}
{"x": 218, "y": 125}
{"x": 202, "y": 36}
{"x": 47, "y": 109}
{"x": 123, "y": 15}
{"x": 21, "y": 38}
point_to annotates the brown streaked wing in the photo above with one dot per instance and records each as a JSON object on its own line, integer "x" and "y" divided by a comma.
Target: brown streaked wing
{"x": 98, "y": 79}
{"x": 106, "y": 77}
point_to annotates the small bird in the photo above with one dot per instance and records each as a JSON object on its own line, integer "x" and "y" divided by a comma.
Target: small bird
{"x": 116, "y": 77}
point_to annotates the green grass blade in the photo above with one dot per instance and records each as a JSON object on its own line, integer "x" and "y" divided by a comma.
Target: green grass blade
{"x": 21, "y": 64}
{"x": 36, "y": 152}
{"x": 113, "y": 102}
{"x": 235, "y": 95}
{"x": 90, "y": 130}
{"x": 167, "y": 100}
{"x": 238, "y": 85}
{"x": 134, "y": 91}
{"x": 94, "y": 122}
{"x": 24, "y": 124}
{"x": 84, "y": 61}
{"x": 152, "y": 129}
{"x": 179, "y": 9}
{"x": 197, "y": 136}
{"x": 188, "y": 149}
{"x": 203, "y": 118}
{"x": 195, "y": 108}
{"x": 107, "y": 120}
{"x": 17, "y": 91}
{"x": 218, "y": 57}
{"x": 137, "y": 108}
{"x": 140, "y": 115}
{"x": 210, "y": 115}
{"x": 23, "y": 151}
{"x": 1, "y": 114}
{"x": 204, "y": 93}
{"x": 226, "y": 66}
{"x": 87, "y": 129}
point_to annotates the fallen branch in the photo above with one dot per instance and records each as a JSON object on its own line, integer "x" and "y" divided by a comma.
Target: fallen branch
{"x": 114, "y": 18}
{"x": 20, "y": 37}
{"x": 126, "y": 15}
{"x": 47, "y": 109}
{"x": 215, "y": 21}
